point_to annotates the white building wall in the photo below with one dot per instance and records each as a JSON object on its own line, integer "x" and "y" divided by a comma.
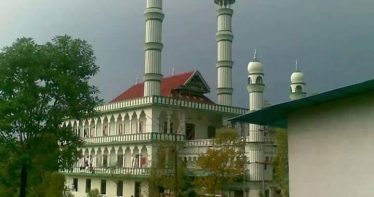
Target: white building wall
{"x": 111, "y": 186}
{"x": 331, "y": 149}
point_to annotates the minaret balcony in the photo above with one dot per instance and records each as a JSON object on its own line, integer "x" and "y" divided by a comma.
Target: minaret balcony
{"x": 134, "y": 138}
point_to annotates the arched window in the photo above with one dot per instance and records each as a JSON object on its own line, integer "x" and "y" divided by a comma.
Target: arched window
{"x": 249, "y": 80}
{"x": 259, "y": 80}
{"x": 298, "y": 88}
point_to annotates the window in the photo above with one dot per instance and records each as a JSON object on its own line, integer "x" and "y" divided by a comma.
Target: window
{"x": 165, "y": 127}
{"x": 105, "y": 160}
{"x": 75, "y": 184}
{"x": 119, "y": 188}
{"x": 259, "y": 80}
{"x": 299, "y": 89}
{"x": 103, "y": 187}
{"x": 120, "y": 129}
{"x": 137, "y": 189}
{"x": 211, "y": 132}
{"x": 190, "y": 131}
{"x": 88, "y": 185}
{"x": 266, "y": 162}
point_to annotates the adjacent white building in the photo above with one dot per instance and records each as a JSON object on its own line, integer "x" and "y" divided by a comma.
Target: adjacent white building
{"x": 330, "y": 141}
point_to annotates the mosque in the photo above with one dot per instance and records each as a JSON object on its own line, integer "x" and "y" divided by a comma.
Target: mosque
{"x": 120, "y": 143}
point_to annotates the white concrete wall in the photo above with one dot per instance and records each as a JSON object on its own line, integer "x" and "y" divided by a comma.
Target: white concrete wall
{"x": 331, "y": 149}
{"x": 111, "y": 186}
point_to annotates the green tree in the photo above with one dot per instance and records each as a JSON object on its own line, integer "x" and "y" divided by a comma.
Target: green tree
{"x": 281, "y": 162}
{"x": 221, "y": 164}
{"x": 163, "y": 178}
{"x": 41, "y": 86}
{"x": 94, "y": 193}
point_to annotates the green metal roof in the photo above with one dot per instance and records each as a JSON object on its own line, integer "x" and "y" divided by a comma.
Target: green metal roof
{"x": 276, "y": 115}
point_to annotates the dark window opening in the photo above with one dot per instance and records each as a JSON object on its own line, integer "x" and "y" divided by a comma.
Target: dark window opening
{"x": 211, "y": 132}
{"x": 88, "y": 185}
{"x": 103, "y": 187}
{"x": 299, "y": 89}
{"x": 137, "y": 189}
{"x": 259, "y": 80}
{"x": 75, "y": 184}
{"x": 119, "y": 188}
{"x": 190, "y": 131}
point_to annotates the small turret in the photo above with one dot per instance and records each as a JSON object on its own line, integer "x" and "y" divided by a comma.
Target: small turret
{"x": 297, "y": 84}
{"x": 255, "y": 75}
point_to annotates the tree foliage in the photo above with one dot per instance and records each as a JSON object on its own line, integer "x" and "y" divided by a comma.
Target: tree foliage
{"x": 166, "y": 174}
{"x": 94, "y": 193}
{"x": 41, "y": 86}
{"x": 221, "y": 164}
{"x": 281, "y": 162}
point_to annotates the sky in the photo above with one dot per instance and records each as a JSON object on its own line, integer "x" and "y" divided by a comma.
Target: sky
{"x": 333, "y": 41}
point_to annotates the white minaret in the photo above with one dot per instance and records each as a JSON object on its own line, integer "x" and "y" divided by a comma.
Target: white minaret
{"x": 297, "y": 84}
{"x": 224, "y": 38}
{"x": 153, "y": 47}
{"x": 255, "y": 140}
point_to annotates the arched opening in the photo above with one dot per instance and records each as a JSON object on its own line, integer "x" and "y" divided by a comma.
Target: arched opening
{"x": 162, "y": 122}
{"x": 120, "y": 158}
{"x": 135, "y": 158}
{"x": 112, "y": 124}
{"x": 259, "y": 80}
{"x": 127, "y": 124}
{"x": 92, "y": 132}
{"x": 99, "y": 157}
{"x": 144, "y": 158}
{"x": 119, "y": 125}
{"x": 127, "y": 158}
{"x": 112, "y": 158}
{"x": 134, "y": 123}
{"x": 99, "y": 127}
{"x": 142, "y": 121}
{"x": 105, "y": 158}
{"x": 298, "y": 88}
{"x": 105, "y": 127}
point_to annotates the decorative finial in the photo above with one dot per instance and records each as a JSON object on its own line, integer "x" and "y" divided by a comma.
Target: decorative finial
{"x": 137, "y": 79}
{"x": 255, "y": 55}
{"x": 173, "y": 71}
{"x": 296, "y": 66}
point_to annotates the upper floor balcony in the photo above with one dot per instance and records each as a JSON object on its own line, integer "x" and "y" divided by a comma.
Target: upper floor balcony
{"x": 109, "y": 172}
{"x": 134, "y": 138}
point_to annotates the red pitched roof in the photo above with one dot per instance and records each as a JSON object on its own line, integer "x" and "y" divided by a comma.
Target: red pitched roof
{"x": 167, "y": 85}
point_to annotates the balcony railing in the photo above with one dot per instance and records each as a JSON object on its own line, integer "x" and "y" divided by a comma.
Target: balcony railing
{"x": 109, "y": 171}
{"x": 199, "y": 143}
{"x": 138, "y": 172}
{"x": 136, "y": 137}
{"x": 160, "y": 100}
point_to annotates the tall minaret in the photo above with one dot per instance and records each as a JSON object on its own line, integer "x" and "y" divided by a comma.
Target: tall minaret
{"x": 224, "y": 39}
{"x": 297, "y": 84}
{"x": 153, "y": 47}
{"x": 255, "y": 141}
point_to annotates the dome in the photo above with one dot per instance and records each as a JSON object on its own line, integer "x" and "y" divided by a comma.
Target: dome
{"x": 297, "y": 77}
{"x": 255, "y": 67}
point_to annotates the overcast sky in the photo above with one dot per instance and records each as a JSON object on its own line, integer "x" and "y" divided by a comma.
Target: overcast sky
{"x": 333, "y": 41}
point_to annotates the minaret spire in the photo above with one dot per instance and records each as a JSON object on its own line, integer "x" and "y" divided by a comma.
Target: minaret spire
{"x": 224, "y": 38}
{"x": 255, "y": 55}
{"x": 153, "y": 47}
{"x": 296, "y": 66}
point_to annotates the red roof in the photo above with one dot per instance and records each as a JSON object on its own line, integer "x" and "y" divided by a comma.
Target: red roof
{"x": 167, "y": 85}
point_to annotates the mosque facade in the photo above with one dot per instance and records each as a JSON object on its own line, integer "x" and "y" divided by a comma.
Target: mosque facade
{"x": 121, "y": 141}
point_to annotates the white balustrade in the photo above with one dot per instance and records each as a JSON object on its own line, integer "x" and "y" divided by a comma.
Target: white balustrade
{"x": 136, "y": 137}
{"x": 132, "y": 103}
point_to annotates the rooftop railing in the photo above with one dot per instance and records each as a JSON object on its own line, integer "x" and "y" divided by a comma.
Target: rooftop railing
{"x": 160, "y": 100}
